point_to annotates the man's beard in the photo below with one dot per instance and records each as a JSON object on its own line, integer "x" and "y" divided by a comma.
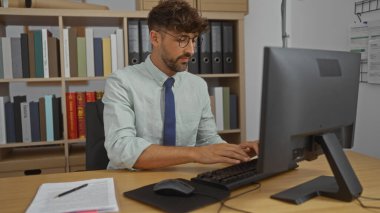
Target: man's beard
{"x": 174, "y": 65}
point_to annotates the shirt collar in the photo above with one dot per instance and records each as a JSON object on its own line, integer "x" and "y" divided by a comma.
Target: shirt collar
{"x": 159, "y": 76}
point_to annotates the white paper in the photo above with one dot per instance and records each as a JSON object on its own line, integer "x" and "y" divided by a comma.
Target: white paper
{"x": 98, "y": 195}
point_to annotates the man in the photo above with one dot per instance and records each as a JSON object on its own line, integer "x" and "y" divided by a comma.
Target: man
{"x": 143, "y": 129}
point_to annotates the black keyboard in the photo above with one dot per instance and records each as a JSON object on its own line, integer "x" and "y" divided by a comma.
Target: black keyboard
{"x": 230, "y": 177}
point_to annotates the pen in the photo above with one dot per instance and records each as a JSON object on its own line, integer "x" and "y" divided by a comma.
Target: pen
{"x": 72, "y": 190}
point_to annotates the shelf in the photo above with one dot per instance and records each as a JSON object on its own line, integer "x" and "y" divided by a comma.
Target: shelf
{"x": 69, "y": 154}
{"x": 229, "y": 131}
{"x": 31, "y": 144}
{"x": 85, "y": 78}
{"x": 230, "y": 75}
{"x": 30, "y": 80}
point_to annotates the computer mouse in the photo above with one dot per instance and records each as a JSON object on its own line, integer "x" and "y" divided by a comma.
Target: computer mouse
{"x": 173, "y": 187}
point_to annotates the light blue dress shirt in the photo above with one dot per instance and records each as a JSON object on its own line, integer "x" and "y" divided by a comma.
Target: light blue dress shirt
{"x": 134, "y": 112}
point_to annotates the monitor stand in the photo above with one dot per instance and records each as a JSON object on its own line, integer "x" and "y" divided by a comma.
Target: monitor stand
{"x": 343, "y": 186}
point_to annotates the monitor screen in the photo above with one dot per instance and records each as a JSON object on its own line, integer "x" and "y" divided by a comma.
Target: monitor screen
{"x": 306, "y": 95}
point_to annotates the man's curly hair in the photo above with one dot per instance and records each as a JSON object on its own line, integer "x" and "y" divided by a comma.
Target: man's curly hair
{"x": 177, "y": 16}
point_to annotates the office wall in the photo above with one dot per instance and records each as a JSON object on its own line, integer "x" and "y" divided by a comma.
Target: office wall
{"x": 322, "y": 24}
{"x": 262, "y": 28}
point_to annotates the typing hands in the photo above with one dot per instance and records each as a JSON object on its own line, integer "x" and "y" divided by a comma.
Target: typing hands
{"x": 227, "y": 153}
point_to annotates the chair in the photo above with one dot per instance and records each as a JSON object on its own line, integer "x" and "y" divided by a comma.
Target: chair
{"x": 96, "y": 154}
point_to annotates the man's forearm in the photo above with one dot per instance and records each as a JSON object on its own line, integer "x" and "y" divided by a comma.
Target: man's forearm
{"x": 156, "y": 156}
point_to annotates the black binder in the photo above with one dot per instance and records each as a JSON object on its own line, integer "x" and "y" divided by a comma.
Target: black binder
{"x": 216, "y": 47}
{"x": 133, "y": 42}
{"x": 228, "y": 47}
{"x": 193, "y": 66}
{"x": 146, "y": 47}
{"x": 205, "y": 53}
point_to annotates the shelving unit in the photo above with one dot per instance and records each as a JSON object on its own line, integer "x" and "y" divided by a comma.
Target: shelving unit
{"x": 68, "y": 155}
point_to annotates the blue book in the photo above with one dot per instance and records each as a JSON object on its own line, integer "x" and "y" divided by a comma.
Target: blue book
{"x": 233, "y": 112}
{"x": 10, "y": 122}
{"x": 49, "y": 117}
{"x": 35, "y": 120}
{"x": 98, "y": 57}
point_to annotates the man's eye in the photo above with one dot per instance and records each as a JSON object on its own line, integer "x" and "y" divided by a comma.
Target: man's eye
{"x": 183, "y": 38}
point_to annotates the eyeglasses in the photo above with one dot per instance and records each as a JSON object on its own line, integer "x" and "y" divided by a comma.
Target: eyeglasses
{"x": 183, "y": 40}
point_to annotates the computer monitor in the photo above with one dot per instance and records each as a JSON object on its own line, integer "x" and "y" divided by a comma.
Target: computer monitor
{"x": 308, "y": 107}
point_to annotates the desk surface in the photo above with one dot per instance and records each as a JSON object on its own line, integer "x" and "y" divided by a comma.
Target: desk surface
{"x": 17, "y": 193}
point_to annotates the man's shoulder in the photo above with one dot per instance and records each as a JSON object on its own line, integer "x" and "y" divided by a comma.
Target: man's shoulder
{"x": 130, "y": 71}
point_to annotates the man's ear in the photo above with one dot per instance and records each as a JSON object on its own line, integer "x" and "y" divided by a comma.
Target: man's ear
{"x": 154, "y": 38}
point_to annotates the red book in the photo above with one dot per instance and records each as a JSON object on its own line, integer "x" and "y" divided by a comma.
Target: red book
{"x": 72, "y": 115}
{"x": 81, "y": 105}
{"x": 90, "y": 97}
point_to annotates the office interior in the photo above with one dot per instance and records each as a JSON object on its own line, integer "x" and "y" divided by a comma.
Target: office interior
{"x": 322, "y": 24}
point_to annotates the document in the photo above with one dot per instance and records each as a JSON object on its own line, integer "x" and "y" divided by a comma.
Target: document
{"x": 94, "y": 194}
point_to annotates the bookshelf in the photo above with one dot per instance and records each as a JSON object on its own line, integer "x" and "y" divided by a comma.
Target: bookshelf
{"x": 68, "y": 154}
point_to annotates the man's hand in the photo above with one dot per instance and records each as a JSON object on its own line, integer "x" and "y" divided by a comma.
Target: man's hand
{"x": 250, "y": 147}
{"x": 221, "y": 153}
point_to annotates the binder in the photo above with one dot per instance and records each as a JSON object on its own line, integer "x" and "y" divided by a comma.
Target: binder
{"x": 193, "y": 66}
{"x": 228, "y": 47}
{"x": 133, "y": 42}
{"x": 146, "y": 47}
{"x": 205, "y": 53}
{"x": 216, "y": 47}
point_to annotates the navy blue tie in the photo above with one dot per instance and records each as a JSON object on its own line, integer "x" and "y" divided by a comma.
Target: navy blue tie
{"x": 169, "y": 118}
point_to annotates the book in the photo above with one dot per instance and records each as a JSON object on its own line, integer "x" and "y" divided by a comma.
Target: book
{"x": 31, "y": 54}
{"x": 81, "y": 57}
{"x": 226, "y": 108}
{"x": 98, "y": 56}
{"x": 81, "y": 105}
{"x": 17, "y": 100}
{"x": 107, "y": 67}
{"x": 72, "y": 115}
{"x": 54, "y": 61}
{"x": 234, "y": 111}
{"x": 16, "y": 57}
{"x": 25, "y": 55}
{"x": 90, "y": 52}
{"x": 7, "y": 58}
{"x": 120, "y": 48}
{"x": 38, "y": 54}
{"x": 72, "y": 51}
{"x": 1, "y": 60}
{"x": 3, "y": 125}
{"x": 34, "y": 121}
{"x": 57, "y": 118}
{"x": 113, "y": 53}
{"x": 49, "y": 117}
{"x": 41, "y": 105}
{"x": 45, "y": 51}
{"x": 90, "y": 96}
{"x": 66, "y": 53}
{"x": 10, "y": 122}
{"x": 25, "y": 122}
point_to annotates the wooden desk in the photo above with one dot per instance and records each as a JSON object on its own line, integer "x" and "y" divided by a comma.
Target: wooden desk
{"x": 17, "y": 193}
